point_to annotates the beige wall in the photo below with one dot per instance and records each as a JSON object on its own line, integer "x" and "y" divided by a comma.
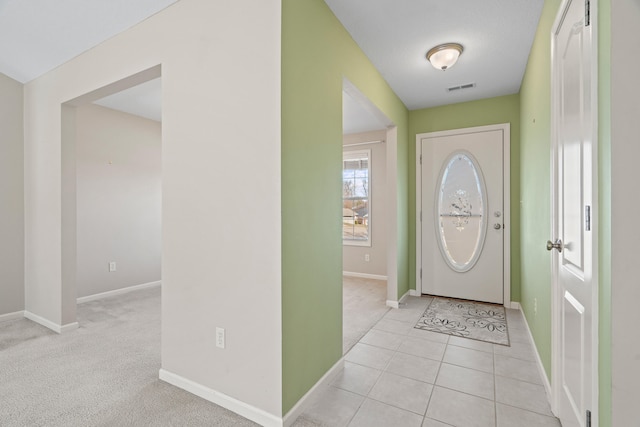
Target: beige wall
{"x": 11, "y": 197}
{"x": 119, "y": 175}
{"x": 625, "y": 236}
{"x": 221, "y": 110}
{"x": 353, "y": 257}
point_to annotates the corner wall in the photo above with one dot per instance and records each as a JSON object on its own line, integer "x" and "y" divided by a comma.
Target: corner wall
{"x": 317, "y": 52}
{"x": 624, "y": 291}
{"x": 119, "y": 174}
{"x": 535, "y": 170}
{"x": 11, "y": 196}
{"x": 502, "y": 109}
{"x": 221, "y": 253}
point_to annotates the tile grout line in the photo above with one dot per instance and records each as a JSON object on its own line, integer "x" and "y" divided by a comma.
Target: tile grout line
{"x": 395, "y": 351}
{"x": 435, "y": 380}
{"x": 495, "y": 389}
{"x": 384, "y": 370}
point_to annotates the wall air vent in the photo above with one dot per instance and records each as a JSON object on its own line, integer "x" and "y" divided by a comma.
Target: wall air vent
{"x": 461, "y": 87}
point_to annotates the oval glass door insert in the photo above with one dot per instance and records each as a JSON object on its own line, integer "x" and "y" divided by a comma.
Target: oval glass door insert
{"x": 461, "y": 205}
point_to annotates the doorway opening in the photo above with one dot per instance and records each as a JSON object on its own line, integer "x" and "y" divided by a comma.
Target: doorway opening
{"x": 112, "y": 192}
{"x": 368, "y": 221}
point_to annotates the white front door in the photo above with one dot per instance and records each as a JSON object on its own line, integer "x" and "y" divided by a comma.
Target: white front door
{"x": 573, "y": 233}
{"x": 462, "y": 239}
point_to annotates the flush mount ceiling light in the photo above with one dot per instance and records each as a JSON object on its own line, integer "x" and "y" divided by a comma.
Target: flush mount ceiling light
{"x": 444, "y": 55}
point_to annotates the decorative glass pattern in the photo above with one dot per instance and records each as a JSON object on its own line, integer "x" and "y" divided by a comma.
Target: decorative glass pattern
{"x": 461, "y": 211}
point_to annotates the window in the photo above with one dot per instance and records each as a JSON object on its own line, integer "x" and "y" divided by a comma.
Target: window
{"x": 356, "y": 205}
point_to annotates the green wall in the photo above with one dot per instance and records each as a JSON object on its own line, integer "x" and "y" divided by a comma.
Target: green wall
{"x": 503, "y": 109}
{"x": 316, "y": 53}
{"x": 535, "y": 186}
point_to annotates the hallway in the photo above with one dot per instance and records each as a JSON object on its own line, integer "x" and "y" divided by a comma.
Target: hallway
{"x": 400, "y": 376}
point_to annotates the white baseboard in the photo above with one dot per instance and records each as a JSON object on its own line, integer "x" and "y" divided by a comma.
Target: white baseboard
{"x": 516, "y": 306}
{"x": 414, "y": 293}
{"x": 541, "y": 371}
{"x": 61, "y": 329}
{"x": 396, "y": 304}
{"x": 299, "y": 407}
{"x": 11, "y": 316}
{"x": 248, "y": 411}
{"x": 364, "y": 275}
{"x": 69, "y": 327}
{"x": 118, "y": 292}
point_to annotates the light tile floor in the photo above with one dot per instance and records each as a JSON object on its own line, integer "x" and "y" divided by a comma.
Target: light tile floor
{"x": 363, "y": 304}
{"x": 397, "y": 375}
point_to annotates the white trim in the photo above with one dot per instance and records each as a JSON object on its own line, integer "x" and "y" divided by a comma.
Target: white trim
{"x": 248, "y": 411}
{"x": 555, "y": 302}
{"x": 363, "y": 143}
{"x": 355, "y": 153}
{"x": 414, "y": 293}
{"x": 299, "y": 407}
{"x": 391, "y": 201}
{"x": 61, "y": 329}
{"x": 118, "y": 292}
{"x": 418, "y": 214}
{"x": 506, "y": 188}
{"x": 11, "y": 316}
{"x": 393, "y": 304}
{"x": 514, "y": 305}
{"x": 68, "y": 327}
{"x": 541, "y": 371}
{"x": 396, "y": 304}
{"x": 364, "y": 275}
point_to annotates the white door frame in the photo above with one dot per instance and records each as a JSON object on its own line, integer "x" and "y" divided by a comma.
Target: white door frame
{"x": 506, "y": 191}
{"x": 556, "y": 297}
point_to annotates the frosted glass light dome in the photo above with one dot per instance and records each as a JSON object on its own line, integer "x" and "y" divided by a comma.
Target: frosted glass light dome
{"x": 444, "y": 56}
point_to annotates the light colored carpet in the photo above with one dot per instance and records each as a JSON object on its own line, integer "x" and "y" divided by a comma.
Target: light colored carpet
{"x": 364, "y": 302}
{"x": 468, "y": 319}
{"x": 103, "y": 374}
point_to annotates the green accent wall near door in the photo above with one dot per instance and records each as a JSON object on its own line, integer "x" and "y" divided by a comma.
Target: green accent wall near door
{"x": 317, "y": 52}
{"x": 535, "y": 185}
{"x": 503, "y": 109}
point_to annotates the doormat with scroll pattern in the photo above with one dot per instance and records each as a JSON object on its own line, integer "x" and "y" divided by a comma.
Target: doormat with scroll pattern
{"x": 468, "y": 319}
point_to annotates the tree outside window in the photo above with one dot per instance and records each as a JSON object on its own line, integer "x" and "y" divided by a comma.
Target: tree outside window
{"x": 356, "y": 221}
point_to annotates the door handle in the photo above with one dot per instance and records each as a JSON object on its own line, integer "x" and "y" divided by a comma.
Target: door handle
{"x": 555, "y": 245}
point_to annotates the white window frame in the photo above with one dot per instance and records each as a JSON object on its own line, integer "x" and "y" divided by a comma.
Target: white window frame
{"x": 352, "y": 154}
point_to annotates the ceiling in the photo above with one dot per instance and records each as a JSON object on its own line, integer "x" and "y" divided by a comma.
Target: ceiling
{"x": 36, "y": 36}
{"x": 356, "y": 117}
{"x": 144, "y": 100}
{"x": 396, "y": 34}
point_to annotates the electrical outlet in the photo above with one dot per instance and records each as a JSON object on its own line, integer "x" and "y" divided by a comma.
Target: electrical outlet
{"x": 367, "y": 258}
{"x": 220, "y": 337}
{"x": 112, "y": 266}
{"x": 535, "y": 307}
